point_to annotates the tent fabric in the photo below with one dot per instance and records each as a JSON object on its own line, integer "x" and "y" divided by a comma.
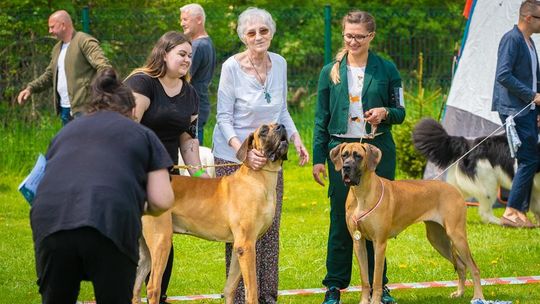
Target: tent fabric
{"x": 467, "y": 9}
{"x": 468, "y": 108}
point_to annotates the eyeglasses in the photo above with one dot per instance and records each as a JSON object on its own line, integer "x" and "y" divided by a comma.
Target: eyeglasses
{"x": 262, "y": 31}
{"x": 358, "y": 37}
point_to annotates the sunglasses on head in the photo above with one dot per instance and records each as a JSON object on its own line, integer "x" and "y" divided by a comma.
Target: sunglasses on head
{"x": 262, "y": 31}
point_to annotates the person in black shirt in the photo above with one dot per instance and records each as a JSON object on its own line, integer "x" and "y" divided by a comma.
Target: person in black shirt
{"x": 86, "y": 217}
{"x": 167, "y": 104}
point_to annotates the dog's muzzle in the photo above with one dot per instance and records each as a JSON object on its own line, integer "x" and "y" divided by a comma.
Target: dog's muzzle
{"x": 349, "y": 174}
{"x": 280, "y": 152}
{"x": 282, "y": 148}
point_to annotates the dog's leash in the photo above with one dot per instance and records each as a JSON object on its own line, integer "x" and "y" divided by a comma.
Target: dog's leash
{"x": 478, "y": 144}
{"x": 372, "y": 134}
{"x": 201, "y": 168}
{"x": 357, "y": 235}
{"x": 205, "y": 166}
{"x": 367, "y": 213}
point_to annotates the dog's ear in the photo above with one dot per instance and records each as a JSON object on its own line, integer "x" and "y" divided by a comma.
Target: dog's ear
{"x": 373, "y": 156}
{"x": 241, "y": 154}
{"x": 335, "y": 156}
{"x": 286, "y": 148}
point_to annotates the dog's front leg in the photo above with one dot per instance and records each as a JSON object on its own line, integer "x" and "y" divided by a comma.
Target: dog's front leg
{"x": 360, "y": 252}
{"x": 157, "y": 232}
{"x": 233, "y": 278}
{"x": 485, "y": 209}
{"x": 380, "y": 250}
{"x": 245, "y": 252}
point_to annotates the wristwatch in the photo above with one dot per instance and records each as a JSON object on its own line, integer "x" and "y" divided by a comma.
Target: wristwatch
{"x": 386, "y": 110}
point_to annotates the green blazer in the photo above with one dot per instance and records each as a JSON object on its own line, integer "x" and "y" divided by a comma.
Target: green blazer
{"x": 380, "y": 80}
{"x": 84, "y": 58}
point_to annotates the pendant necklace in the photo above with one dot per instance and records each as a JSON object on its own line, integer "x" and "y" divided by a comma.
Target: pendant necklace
{"x": 266, "y": 94}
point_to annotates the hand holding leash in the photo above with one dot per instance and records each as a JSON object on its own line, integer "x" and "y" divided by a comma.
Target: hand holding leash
{"x": 375, "y": 116}
{"x": 536, "y": 99}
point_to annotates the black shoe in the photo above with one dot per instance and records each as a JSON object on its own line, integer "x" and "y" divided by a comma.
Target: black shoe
{"x": 332, "y": 296}
{"x": 163, "y": 300}
{"x": 386, "y": 298}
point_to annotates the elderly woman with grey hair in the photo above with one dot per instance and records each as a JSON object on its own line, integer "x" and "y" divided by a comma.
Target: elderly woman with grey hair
{"x": 253, "y": 91}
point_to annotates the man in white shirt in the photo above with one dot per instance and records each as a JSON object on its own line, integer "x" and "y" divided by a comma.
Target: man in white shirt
{"x": 75, "y": 60}
{"x": 516, "y": 95}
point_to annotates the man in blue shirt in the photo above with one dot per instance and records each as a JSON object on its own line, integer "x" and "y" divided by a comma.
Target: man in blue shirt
{"x": 192, "y": 19}
{"x": 515, "y": 94}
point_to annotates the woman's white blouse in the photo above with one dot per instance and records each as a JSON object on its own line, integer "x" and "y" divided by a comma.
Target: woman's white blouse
{"x": 242, "y": 106}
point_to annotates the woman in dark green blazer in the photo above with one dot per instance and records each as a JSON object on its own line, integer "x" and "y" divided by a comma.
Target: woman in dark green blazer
{"x": 356, "y": 91}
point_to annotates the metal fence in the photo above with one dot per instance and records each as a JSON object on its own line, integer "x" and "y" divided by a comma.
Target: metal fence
{"x": 127, "y": 36}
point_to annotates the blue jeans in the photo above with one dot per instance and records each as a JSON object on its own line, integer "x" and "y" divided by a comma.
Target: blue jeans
{"x": 527, "y": 158}
{"x": 65, "y": 115}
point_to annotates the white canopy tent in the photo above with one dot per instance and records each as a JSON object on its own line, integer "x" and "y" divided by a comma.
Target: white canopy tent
{"x": 468, "y": 108}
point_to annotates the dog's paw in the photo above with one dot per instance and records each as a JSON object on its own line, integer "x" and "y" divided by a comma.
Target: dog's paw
{"x": 457, "y": 294}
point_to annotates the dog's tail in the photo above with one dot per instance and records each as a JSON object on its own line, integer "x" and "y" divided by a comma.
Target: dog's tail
{"x": 432, "y": 141}
{"x": 442, "y": 149}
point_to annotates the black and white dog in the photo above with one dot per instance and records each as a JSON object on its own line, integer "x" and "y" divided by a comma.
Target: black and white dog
{"x": 480, "y": 173}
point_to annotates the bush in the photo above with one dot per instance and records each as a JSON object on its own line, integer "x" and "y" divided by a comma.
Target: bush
{"x": 419, "y": 103}
{"x": 410, "y": 164}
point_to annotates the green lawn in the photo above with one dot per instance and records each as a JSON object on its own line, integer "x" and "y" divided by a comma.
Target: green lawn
{"x": 199, "y": 265}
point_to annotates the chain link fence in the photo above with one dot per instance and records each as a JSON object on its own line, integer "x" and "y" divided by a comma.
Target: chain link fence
{"x": 127, "y": 37}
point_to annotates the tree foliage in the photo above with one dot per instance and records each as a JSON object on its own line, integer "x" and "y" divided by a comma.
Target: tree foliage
{"x": 128, "y": 29}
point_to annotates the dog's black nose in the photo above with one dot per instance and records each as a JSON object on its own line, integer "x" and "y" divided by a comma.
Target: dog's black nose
{"x": 346, "y": 168}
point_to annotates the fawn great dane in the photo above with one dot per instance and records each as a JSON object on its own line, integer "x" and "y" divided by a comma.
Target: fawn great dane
{"x": 378, "y": 209}
{"x": 236, "y": 209}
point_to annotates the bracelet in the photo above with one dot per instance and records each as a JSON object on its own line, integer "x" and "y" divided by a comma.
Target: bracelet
{"x": 387, "y": 112}
{"x": 199, "y": 173}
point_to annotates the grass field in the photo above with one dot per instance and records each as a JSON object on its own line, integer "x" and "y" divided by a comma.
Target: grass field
{"x": 199, "y": 265}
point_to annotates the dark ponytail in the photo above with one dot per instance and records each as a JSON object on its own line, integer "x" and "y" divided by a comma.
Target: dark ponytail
{"x": 108, "y": 93}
